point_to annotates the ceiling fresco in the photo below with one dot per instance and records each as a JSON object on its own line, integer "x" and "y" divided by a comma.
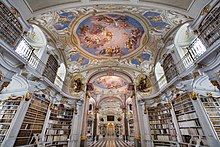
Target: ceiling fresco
{"x": 63, "y": 21}
{"x": 110, "y": 82}
{"x": 156, "y": 20}
{"x": 140, "y": 58}
{"x": 110, "y": 35}
{"x": 79, "y": 59}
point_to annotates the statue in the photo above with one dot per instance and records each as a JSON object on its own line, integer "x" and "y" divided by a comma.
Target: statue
{"x": 1, "y": 76}
{"x": 77, "y": 85}
{"x": 143, "y": 85}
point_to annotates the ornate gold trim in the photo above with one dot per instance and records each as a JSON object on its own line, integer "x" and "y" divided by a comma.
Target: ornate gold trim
{"x": 83, "y": 137}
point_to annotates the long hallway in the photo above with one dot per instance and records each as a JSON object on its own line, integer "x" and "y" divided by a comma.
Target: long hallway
{"x": 111, "y": 142}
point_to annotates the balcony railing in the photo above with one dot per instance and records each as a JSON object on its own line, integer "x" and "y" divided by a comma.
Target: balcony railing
{"x": 195, "y": 50}
{"x": 26, "y": 51}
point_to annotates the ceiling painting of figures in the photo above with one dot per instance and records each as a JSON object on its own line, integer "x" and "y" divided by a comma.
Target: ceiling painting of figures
{"x": 63, "y": 21}
{"x": 110, "y": 82}
{"x": 156, "y": 20}
{"x": 141, "y": 58}
{"x": 110, "y": 35}
{"x": 79, "y": 59}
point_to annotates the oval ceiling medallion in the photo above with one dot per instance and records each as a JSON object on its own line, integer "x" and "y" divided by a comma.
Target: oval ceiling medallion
{"x": 109, "y": 35}
{"x": 110, "y": 82}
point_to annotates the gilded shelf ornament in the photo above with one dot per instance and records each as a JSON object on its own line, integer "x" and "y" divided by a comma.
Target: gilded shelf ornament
{"x": 137, "y": 137}
{"x": 83, "y": 137}
{"x": 193, "y": 95}
{"x": 28, "y": 96}
{"x": 215, "y": 83}
{"x": 205, "y": 10}
{"x": 15, "y": 12}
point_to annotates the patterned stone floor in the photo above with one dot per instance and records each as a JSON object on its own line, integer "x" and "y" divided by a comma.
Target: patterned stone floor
{"x": 111, "y": 142}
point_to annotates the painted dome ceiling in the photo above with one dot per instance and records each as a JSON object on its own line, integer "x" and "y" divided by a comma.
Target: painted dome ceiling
{"x": 109, "y": 35}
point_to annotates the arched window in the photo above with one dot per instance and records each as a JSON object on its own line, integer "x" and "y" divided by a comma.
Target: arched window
{"x": 160, "y": 76}
{"x": 61, "y": 74}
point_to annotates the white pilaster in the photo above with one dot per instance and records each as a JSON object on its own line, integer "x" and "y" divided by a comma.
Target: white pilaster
{"x": 46, "y": 122}
{"x": 76, "y": 126}
{"x": 16, "y": 124}
{"x": 175, "y": 123}
{"x": 207, "y": 128}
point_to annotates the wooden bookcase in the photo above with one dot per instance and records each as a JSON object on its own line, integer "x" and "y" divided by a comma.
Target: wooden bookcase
{"x": 169, "y": 67}
{"x": 210, "y": 27}
{"x": 212, "y": 108}
{"x": 161, "y": 125}
{"x": 10, "y": 28}
{"x": 51, "y": 68}
{"x": 59, "y": 125}
{"x": 188, "y": 121}
{"x": 131, "y": 128}
{"x": 8, "y": 109}
{"x": 33, "y": 122}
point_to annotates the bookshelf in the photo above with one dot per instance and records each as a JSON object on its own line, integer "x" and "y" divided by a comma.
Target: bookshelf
{"x": 10, "y": 28}
{"x": 188, "y": 121}
{"x": 169, "y": 68}
{"x": 59, "y": 126}
{"x": 210, "y": 27}
{"x": 161, "y": 125}
{"x": 33, "y": 122}
{"x": 8, "y": 109}
{"x": 51, "y": 68}
{"x": 212, "y": 108}
{"x": 131, "y": 128}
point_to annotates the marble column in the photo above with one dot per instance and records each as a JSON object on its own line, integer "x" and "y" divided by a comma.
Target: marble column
{"x": 72, "y": 128}
{"x": 76, "y": 126}
{"x": 149, "y": 142}
{"x": 145, "y": 126}
{"x": 97, "y": 128}
{"x": 125, "y": 137}
{"x": 137, "y": 137}
{"x": 85, "y": 123}
{"x": 94, "y": 128}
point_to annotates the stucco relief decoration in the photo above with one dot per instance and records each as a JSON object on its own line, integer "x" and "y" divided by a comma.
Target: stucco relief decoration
{"x": 77, "y": 84}
{"x": 110, "y": 35}
{"x": 143, "y": 84}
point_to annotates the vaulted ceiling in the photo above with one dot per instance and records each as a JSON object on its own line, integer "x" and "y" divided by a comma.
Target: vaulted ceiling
{"x": 102, "y": 35}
